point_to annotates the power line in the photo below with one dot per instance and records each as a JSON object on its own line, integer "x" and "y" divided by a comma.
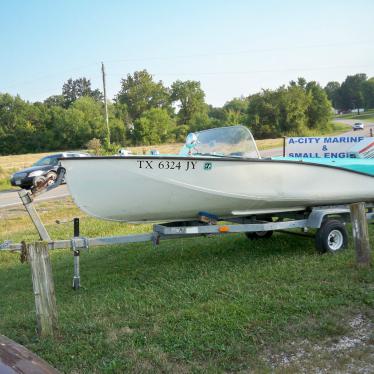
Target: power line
{"x": 195, "y": 56}
{"x": 201, "y": 55}
{"x": 246, "y": 51}
{"x": 50, "y": 75}
{"x": 249, "y": 72}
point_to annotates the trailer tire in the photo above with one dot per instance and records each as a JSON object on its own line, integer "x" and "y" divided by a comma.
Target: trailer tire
{"x": 254, "y": 235}
{"x": 51, "y": 178}
{"x": 331, "y": 236}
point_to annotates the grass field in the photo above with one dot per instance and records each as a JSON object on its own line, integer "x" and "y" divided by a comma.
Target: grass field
{"x": 202, "y": 305}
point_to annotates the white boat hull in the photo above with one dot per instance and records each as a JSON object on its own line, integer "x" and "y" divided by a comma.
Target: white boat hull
{"x": 137, "y": 189}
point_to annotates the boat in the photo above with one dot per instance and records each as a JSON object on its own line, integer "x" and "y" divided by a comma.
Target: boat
{"x": 218, "y": 171}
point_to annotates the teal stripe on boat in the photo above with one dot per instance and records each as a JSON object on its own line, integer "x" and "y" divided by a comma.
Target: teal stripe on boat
{"x": 361, "y": 165}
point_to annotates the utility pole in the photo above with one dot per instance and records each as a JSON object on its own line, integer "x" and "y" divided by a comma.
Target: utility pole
{"x": 105, "y": 102}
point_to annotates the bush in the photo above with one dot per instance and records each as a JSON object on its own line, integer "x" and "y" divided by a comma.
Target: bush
{"x": 94, "y": 146}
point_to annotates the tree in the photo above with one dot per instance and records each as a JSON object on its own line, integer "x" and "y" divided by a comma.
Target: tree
{"x": 93, "y": 117}
{"x": 280, "y": 112}
{"x": 294, "y": 103}
{"x": 263, "y": 114}
{"x": 368, "y": 93}
{"x": 301, "y": 82}
{"x": 190, "y": 99}
{"x": 118, "y": 119}
{"x": 332, "y": 90}
{"x": 139, "y": 93}
{"x": 55, "y": 100}
{"x": 319, "y": 110}
{"x": 143, "y": 112}
{"x": 232, "y": 113}
{"x": 237, "y": 104}
{"x": 72, "y": 90}
{"x": 218, "y": 114}
{"x": 18, "y": 124}
{"x": 71, "y": 128}
{"x": 351, "y": 92}
{"x": 155, "y": 126}
{"x": 235, "y": 110}
{"x": 200, "y": 121}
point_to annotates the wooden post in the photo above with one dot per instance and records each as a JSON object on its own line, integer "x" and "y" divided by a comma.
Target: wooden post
{"x": 360, "y": 234}
{"x": 44, "y": 290}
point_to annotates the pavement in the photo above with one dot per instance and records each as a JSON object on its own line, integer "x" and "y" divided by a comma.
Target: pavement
{"x": 364, "y": 132}
{"x": 11, "y": 198}
{"x": 272, "y": 152}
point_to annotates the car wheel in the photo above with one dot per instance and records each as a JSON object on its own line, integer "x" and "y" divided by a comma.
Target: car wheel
{"x": 51, "y": 178}
{"x": 331, "y": 236}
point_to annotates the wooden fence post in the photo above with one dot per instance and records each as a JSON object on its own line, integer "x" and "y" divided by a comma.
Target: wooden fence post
{"x": 43, "y": 286}
{"x": 360, "y": 234}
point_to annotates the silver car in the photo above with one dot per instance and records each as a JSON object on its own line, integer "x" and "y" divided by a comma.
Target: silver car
{"x": 358, "y": 126}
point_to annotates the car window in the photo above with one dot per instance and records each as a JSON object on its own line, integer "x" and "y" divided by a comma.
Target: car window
{"x": 47, "y": 161}
{"x": 54, "y": 161}
{"x": 72, "y": 155}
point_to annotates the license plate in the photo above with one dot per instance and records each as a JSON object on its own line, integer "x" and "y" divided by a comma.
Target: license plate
{"x": 18, "y": 183}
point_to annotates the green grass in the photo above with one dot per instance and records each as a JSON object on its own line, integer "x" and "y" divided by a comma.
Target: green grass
{"x": 5, "y": 178}
{"x": 336, "y": 128}
{"x": 333, "y": 128}
{"x": 214, "y": 304}
{"x": 5, "y": 184}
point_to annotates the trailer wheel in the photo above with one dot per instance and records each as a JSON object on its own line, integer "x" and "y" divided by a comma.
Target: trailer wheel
{"x": 51, "y": 178}
{"x": 331, "y": 236}
{"x": 258, "y": 235}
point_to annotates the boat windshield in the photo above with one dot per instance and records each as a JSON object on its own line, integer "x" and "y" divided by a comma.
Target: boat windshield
{"x": 231, "y": 141}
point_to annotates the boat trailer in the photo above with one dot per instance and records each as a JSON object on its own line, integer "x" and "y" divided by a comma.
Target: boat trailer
{"x": 329, "y": 221}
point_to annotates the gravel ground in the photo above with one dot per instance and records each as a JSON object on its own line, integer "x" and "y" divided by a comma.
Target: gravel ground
{"x": 352, "y": 353}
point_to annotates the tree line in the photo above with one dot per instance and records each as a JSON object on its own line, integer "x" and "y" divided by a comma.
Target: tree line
{"x": 146, "y": 112}
{"x": 356, "y": 92}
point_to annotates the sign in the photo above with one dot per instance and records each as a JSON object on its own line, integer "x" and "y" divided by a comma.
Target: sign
{"x": 330, "y": 147}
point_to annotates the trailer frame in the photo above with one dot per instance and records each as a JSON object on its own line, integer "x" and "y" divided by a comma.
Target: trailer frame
{"x": 206, "y": 224}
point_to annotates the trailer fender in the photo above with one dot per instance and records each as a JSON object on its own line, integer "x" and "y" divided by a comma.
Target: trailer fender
{"x": 318, "y": 215}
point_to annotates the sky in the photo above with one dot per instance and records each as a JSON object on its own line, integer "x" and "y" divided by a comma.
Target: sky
{"x": 233, "y": 48}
